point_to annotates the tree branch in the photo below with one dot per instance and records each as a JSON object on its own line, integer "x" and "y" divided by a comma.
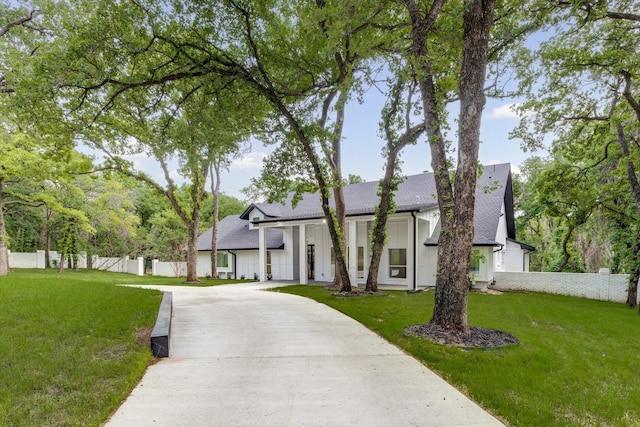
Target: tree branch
{"x": 19, "y": 22}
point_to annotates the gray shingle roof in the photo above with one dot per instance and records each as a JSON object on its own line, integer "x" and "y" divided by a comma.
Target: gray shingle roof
{"x": 234, "y": 234}
{"x": 492, "y": 189}
{"x": 415, "y": 193}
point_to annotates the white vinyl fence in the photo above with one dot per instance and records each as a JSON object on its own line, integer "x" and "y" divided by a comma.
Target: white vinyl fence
{"x": 169, "y": 269}
{"x": 118, "y": 265}
{"x": 601, "y": 286}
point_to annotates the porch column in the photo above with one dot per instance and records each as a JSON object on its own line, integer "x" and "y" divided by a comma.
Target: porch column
{"x": 303, "y": 253}
{"x": 262, "y": 254}
{"x": 353, "y": 252}
{"x": 411, "y": 252}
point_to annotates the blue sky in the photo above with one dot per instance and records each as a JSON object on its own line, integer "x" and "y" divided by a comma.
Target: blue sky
{"x": 362, "y": 147}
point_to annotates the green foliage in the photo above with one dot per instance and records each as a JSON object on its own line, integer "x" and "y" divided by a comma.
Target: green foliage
{"x": 227, "y": 205}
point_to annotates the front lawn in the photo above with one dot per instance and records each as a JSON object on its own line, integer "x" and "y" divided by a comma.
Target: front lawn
{"x": 72, "y": 345}
{"x": 576, "y": 365}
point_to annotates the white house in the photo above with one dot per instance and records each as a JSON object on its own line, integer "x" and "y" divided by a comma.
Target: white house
{"x": 280, "y": 242}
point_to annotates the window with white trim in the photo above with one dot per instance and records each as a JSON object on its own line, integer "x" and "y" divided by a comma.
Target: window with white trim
{"x": 253, "y": 226}
{"x": 223, "y": 259}
{"x": 398, "y": 263}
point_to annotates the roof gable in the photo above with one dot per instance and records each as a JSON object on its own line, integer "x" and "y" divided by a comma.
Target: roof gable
{"x": 493, "y": 188}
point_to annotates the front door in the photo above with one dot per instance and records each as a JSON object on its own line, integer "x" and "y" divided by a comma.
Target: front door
{"x": 311, "y": 261}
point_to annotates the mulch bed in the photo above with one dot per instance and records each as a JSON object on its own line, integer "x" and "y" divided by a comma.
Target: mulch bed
{"x": 359, "y": 293}
{"x": 477, "y": 337}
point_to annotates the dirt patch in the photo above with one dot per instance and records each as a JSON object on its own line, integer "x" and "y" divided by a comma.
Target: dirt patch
{"x": 143, "y": 336}
{"x": 477, "y": 337}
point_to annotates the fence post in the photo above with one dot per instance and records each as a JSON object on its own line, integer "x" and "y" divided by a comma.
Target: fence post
{"x": 140, "y": 266}
{"x": 154, "y": 266}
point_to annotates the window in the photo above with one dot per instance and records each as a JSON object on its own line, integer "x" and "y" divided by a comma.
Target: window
{"x": 223, "y": 259}
{"x": 398, "y": 263}
{"x": 268, "y": 262}
{"x": 333, "y": 263}
{"x": 476, "y": 258}
{"x": 253, "y": 226}
{"x": 360, "y": 262}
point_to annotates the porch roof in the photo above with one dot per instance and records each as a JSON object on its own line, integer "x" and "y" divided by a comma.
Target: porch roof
{"x": 234, "y": 234}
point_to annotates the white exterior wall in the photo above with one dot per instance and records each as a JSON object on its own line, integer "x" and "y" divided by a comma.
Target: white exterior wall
{"x": 282, "y": 260}
{"x": 514, "y": 258}
{"x": 247, "y": 264}
{"x": 486, "y": 264}
{"x": 499, "y": 258}
{"x": 319, "y": 236}
{"x": 427, "y": 267}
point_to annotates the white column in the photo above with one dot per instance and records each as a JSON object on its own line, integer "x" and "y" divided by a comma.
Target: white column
{"x": 411, "y": 252}
{"x": 303, "y": 253}
{"x": 262, "y": 253}
{"x": 353, "y": 252}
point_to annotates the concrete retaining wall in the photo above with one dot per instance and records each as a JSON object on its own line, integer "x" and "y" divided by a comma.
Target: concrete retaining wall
{"x": 601, "y": 286}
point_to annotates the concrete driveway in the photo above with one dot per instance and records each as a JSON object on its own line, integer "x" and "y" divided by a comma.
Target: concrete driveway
{"x": 240, "y": 356}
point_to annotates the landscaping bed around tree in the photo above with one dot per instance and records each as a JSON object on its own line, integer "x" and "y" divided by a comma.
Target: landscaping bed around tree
{"x": 575, "y": 365}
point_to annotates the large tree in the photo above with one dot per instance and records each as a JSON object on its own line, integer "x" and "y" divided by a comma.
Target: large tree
{"x": 588, "y": 98}
{"x": 398, "y": 131}
{"x": 456, "y": 196}
{"x": 300, "y": 58}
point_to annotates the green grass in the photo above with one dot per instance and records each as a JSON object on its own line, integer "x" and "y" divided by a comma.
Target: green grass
{"x": 576, "y": 365}
{"x": 72, "y": 345}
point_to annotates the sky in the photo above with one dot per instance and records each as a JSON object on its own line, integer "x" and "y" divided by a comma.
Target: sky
{"x": 362, "y": 147}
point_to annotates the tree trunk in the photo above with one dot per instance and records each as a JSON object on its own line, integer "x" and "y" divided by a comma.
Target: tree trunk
{"x": 47, "y": 237}
{"x": 61, "y": 266}
{"x": 380, "y": 225}
{"x": 565, "y": 250}
{"x": 343, "y": 283}
{"x": 192, "y": 253}
{"x": 456, "y": 209}
{"x": 4, "y": 254}
{"x": 450, "y": 310}
{"x": 632, "y": 290}
{"x": 336, "y": 233}
{"x": 215, "y": 190}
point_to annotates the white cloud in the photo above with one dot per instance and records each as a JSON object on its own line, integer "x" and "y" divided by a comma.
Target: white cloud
{"x": 505, "y": 111}
{"x": 173, "y": 173}
{"x": 252, "y": 160}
